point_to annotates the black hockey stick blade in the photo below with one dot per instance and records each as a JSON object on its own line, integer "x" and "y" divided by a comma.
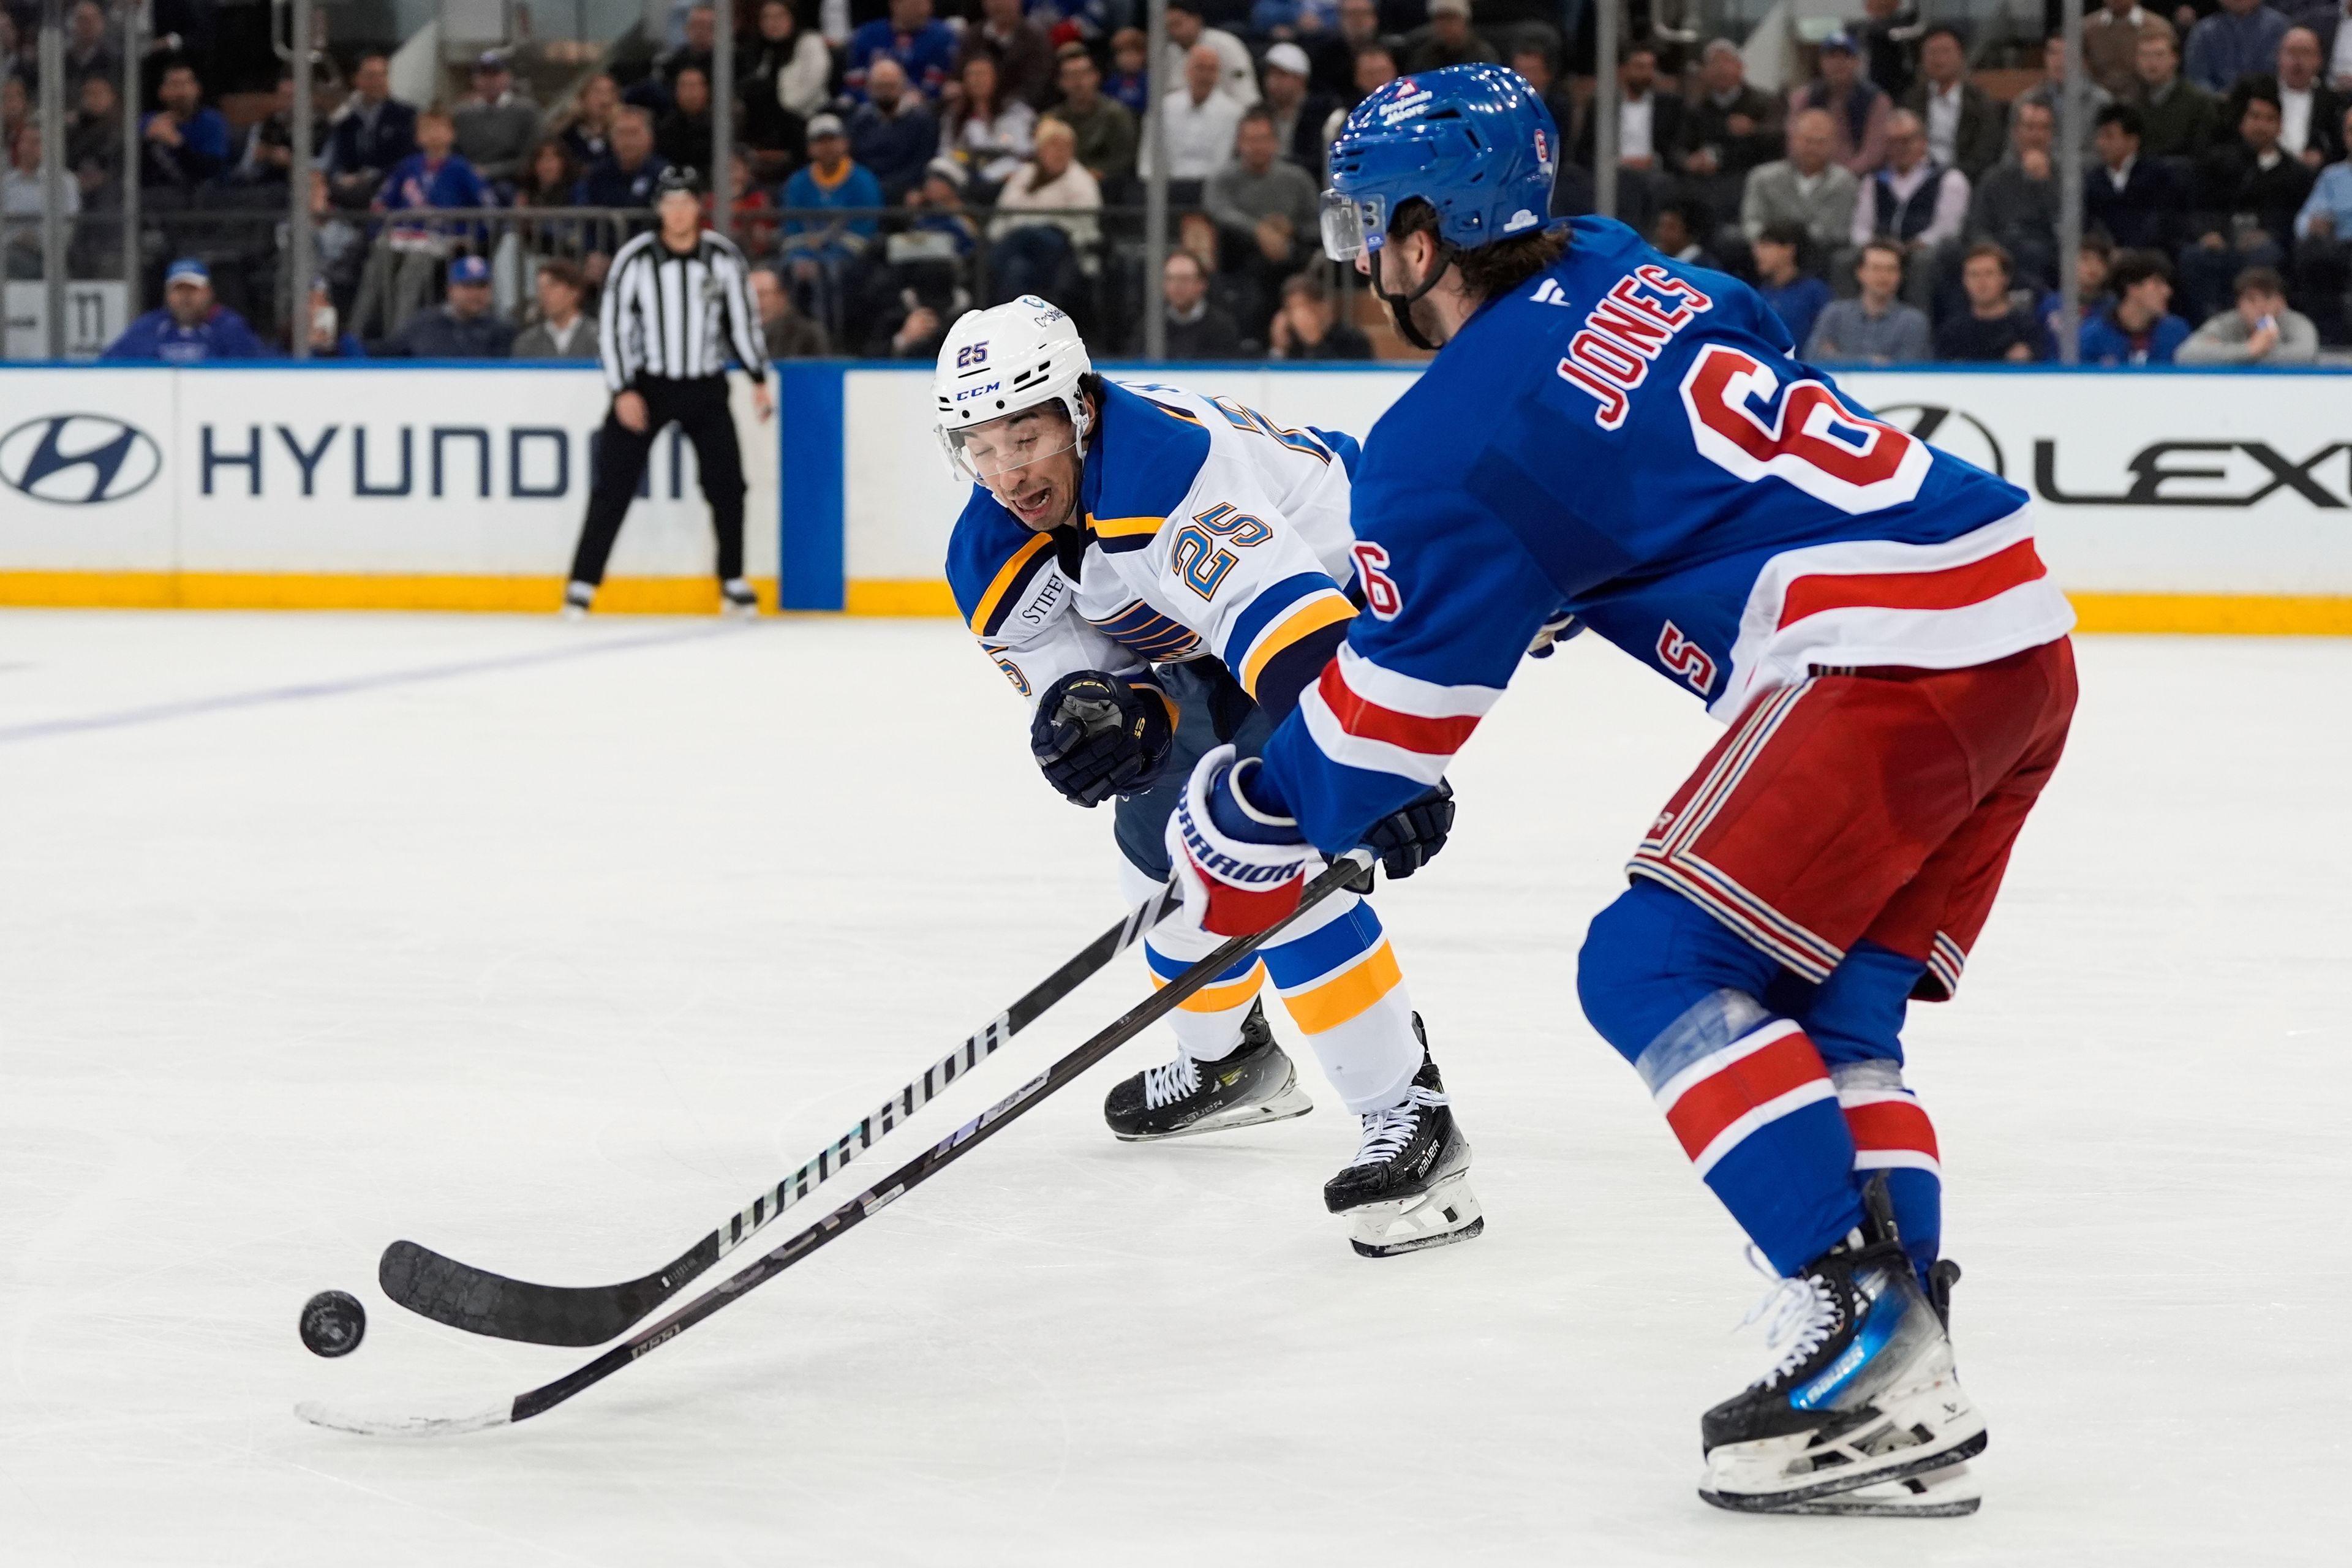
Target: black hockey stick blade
{"x": 481, "y": 1302}
{"x": 855, "y": 1211}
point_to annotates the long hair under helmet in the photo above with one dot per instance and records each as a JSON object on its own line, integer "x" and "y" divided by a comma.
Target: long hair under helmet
{"x": 1473, "y": 142}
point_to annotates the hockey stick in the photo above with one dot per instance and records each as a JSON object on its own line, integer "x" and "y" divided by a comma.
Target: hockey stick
{"x": 481, "y": 1302}
{"x": 900, "y": 1181}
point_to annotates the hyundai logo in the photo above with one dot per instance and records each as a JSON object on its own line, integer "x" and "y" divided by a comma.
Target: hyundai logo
{"x": 79, "y": 460}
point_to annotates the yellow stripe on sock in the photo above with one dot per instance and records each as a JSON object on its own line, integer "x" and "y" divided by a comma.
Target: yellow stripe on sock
{"x": 1327, "y": 1003}
{"x": 1222, "y": 998}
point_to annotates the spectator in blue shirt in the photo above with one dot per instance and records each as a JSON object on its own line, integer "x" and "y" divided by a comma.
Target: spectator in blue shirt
{"x": 1796, "y": 296}
{"x": 894, "y": 133}
{"x": 2137, "y": 327}
{"x": 191, "y": 328}
{"x": 830, "y": 179}
{"x": 183, "y": 144}
{"x": 924, "y": 46}
{"x": 2323, "y": 249}
{"x": 2239, "y": 39}
{"x": 462, "y": 327}
{"x": 404, "y": 266}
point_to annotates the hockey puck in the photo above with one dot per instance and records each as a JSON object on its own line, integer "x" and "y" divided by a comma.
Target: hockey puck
{"x": 334, "y": 1324}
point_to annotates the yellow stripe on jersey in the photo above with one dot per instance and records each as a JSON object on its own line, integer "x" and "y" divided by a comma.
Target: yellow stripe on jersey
{"x": 1008, "y": 574}
{"x": 1324, "y": 609}
{"x": 1222, "y": 998}
{"x": 1123, "y": 527}
{"x": 1330, "y": 1003}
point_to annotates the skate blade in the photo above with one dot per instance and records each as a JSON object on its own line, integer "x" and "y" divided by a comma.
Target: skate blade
{"x": 1951, "y": 1492}
{"x": 1447, "y": 1214}
{"x": 1290, "y": 1104}
{"x": 1871, "y": 1492}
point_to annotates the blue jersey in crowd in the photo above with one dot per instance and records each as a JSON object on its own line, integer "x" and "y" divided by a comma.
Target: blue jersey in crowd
{"x": 2105, "y": 341}
{"x": 1630, "y": 439}
{"x": 156, "y": 336}
{"x": 929, "y": 56}
{"x": 849, "y": 186}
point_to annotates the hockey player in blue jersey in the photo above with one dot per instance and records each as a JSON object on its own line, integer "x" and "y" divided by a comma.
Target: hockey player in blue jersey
{"x": 1157, "y": 572}
{"x": 1610, "y": 434}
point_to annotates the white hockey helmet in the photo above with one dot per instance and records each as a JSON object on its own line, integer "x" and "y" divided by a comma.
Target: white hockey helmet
{"x": 998, "y": 361}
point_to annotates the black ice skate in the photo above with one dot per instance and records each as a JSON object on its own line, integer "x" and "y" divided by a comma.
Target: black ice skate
{"x": 1405, "y": 1189}
{"x": 1254, "y": 1085}
{"x": 1863, "y": 1414}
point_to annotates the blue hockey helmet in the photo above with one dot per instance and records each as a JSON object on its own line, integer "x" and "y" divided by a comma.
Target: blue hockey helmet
{"x": 1475, "y": 142}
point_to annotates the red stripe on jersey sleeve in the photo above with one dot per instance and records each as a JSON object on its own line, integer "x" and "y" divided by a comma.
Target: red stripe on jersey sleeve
{"x": 1360, "y": 716}
{"x": 1952, "y": 588}
{"x": 1715, "y": 1102}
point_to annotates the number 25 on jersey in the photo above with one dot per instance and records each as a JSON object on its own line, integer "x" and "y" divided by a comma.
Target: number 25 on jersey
{"x": 1196, "y": 555}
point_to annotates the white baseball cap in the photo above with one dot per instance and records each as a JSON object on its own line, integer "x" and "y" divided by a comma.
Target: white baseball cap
{"x": 1288, "y": 57}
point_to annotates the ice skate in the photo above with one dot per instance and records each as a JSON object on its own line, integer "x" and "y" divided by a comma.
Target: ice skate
{"x": 1406, "y": 1189}
{"x": 736, "y": 599}
{"x": 1862, "y": 1413}
{"x": 578, "y": 598}
{"x": 1256, "y": 1084}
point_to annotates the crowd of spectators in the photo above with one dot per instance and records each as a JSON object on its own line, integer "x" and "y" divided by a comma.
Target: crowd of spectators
{"x": 890, "y": 174}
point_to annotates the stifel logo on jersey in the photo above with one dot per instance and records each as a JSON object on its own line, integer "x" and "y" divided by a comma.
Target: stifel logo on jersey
{"x": 1624, "y": 334}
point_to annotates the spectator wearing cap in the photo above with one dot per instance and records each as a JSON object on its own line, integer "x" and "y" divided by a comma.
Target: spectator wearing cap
{"x": 893, "y": 134}
{"x": 787, "y": 333}
{"x": 817, "y": 251}
{"x": 563, "y": 330}
{"x": 1022, "y": 53}
{"x": 2261, "y": 330}
{"x": 370, "y": 133}
{"x": 1857, "y": 108}
{"x": 2134, "y": 200}
{"x": 924, "y": 47}
{"x": 1200, "y": 121}
{"x": 2050, "y": 91}
{"x": 1873, "y": 327}
{"x": 2323, "y": 260}
{"x": 1649, "y": 136}
{"x": 1308, "y": 327}
{"x": 2138, "y": 326}
{"x": 463, "y": 326}
{"x": 1104, "y": 130}
{"x": 2240, "y": 39}
{"x": 2248, "y": 191}
{"x": 1809, "y": 187}
{"x": 2177, "y": 116}
{"x": 1236, "y": 74}
{"x": 1795, "y": 295}
{"x": 1994, "y": 328}
{"x": 2111, "y": 34}
{"x": 937, "y": 208}
{"x": 1730, "y": 130}
{"x": 1445, "y": 39}
{"x": 498, "y": 126}
{"x": 189, "y": 328}
{"x": 1298, "y": 111}
{"x": 1965, "y": 127}
{"x": 2015, "y": 206}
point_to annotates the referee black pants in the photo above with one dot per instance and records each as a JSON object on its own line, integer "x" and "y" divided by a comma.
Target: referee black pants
{"x": 698, "y": 408}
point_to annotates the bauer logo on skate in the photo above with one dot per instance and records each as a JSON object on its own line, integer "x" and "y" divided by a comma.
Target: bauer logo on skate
{"x": 1362, "y": 716}
{"x": 1624, "y": 334}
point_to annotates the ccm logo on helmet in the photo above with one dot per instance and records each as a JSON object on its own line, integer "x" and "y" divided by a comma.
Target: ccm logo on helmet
{"x": 978, "y": 390}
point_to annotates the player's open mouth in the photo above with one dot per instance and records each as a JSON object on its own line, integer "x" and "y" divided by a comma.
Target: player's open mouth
{"x": 1032, "y": 505}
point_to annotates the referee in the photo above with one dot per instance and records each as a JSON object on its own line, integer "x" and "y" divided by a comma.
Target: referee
{"x": 676, "y": 298}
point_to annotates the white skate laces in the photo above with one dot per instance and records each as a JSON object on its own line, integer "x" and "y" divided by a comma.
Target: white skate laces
{"x": 1166, "y": 1085}
{"x": 1799, "y": 1313}
{"x": 1386, "y": 1132}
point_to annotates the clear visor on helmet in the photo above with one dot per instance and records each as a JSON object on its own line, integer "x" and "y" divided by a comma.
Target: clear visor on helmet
{"x": 998, "y": 450}
{"x": 1352, "y": 227}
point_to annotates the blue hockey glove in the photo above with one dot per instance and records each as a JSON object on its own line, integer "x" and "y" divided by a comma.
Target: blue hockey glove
{"x": 1409, "y": 838}
{"x": 1097, "y": 735}
{"x": 1241, "y": 860}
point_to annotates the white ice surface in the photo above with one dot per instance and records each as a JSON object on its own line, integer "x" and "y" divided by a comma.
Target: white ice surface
{"x": 549, "y": 961}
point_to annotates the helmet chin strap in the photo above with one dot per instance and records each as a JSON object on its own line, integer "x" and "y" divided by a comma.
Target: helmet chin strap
{"x": 1401, "y": 305}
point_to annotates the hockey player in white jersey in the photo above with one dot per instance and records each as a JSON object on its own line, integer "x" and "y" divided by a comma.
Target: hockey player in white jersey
{"x": 1160, "y": 574}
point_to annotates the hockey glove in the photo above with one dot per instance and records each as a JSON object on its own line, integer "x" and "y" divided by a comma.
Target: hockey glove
{"x": 1241, "y": 862}
{"x": 1409, "y": 838}
{"x": 1098, "y": 735}
{"x": 1552, "y": 633}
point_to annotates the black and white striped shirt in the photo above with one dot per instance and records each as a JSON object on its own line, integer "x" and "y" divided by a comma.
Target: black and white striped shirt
{"x": 671, "y": 315}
